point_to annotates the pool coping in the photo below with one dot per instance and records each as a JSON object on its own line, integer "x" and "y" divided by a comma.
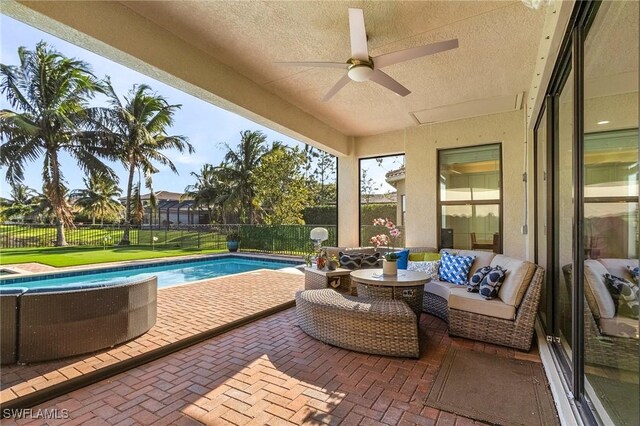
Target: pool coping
{"x": 20, "y": 278}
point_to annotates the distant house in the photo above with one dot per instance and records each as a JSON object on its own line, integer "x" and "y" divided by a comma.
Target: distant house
{"x": 171, "y": 209}
{"x": 389, "y": 198}
{"x": 396, "y": 178}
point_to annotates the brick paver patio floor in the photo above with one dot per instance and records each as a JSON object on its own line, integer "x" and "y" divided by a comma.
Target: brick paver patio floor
{"x": 269, "y": 372}
{"x": 183, "y": 311}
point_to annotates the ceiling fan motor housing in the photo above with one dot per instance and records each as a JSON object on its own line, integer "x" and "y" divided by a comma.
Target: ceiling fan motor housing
{"x": 360, "y": 70}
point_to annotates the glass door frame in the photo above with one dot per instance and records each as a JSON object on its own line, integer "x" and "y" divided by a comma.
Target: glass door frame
{"x": 570, "y": 58}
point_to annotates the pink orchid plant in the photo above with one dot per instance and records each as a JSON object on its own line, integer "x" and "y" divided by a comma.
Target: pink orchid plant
{"x": 384, "y": 239}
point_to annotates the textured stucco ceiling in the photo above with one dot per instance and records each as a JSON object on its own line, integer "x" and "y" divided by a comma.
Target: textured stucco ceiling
{"x": 498, "y": 47}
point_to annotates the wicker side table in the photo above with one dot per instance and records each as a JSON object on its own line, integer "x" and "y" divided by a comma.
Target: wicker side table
{"x": 338, "y": 280}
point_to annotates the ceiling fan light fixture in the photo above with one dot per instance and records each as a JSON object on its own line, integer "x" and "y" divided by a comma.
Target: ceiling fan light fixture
{"x": 360, "y": 72}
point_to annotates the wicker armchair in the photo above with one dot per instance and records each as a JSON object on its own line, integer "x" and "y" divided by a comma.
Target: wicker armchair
{"x": 516, "y": 333}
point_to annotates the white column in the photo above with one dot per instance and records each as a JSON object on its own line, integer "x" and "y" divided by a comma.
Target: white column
{"x": 348, "y": 201}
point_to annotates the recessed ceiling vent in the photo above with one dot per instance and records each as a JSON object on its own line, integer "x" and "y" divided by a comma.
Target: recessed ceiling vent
{"x": 469, "y": 109}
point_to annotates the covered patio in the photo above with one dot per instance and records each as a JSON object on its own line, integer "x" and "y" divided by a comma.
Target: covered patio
{"x": 517, "y": 86}
{"x": 271, "y": 372}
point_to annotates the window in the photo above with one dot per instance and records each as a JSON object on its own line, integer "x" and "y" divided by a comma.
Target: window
{"x": 382, "y": 195}
{"x": 470, "y": 198}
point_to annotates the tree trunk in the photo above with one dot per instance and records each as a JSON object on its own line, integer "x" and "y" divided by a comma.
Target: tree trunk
{"x": 93, "y": 220}
{"x": 60, "y": 238}
{"x": 127, "y": 213}
{"x": 56, "y": 199}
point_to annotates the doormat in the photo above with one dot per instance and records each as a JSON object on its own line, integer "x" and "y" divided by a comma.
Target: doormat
{"x": 493, "y": 389}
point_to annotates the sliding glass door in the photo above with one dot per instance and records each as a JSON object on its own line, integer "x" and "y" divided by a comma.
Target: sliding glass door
{"x": 587, "y": 211}
{"x": 610, "y": 214}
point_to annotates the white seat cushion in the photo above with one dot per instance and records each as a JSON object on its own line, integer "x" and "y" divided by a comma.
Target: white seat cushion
{"x": 619, "y": 326}
{"x": 461, "y": 299}
{"x": 598, "y": 297}
{"x": 440, "y": 288}
{"x": 516, "y": 280}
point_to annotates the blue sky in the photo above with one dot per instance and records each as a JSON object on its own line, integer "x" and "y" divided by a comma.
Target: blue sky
{"x": 207, "y": 126}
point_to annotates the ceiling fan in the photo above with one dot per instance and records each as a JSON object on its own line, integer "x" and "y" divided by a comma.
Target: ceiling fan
{"x": 362, "y": 67}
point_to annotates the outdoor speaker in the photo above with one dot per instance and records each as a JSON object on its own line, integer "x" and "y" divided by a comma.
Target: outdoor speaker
{"x": 446, "y": 238}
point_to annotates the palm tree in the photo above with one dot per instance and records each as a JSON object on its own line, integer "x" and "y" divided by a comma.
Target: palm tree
{"x": 239, "y": 167}
{"x": 23, "y": 202}
{"x": 49, "y": 95}
{"x": 97, "y": 199}
{"x": 211, "y": 191}
{"x": 137, "y": 129}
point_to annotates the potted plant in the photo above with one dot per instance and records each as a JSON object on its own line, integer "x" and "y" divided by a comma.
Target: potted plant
{"x": 390, "y": 262}
{"x": 233, "y": 241}
{"x": 308, "y": 259}
{"x": 321, "y": 259}
{"x": 333, "y": 263}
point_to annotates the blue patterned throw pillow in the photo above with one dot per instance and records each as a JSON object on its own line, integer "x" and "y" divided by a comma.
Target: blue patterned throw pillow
{"x": 491, "y": 283}
{"x": 476, "y": 279}
{"x": 635, "y": 273}
{"x": 625, "y": 296}
{"x": 455, "y": 269}
{"x": 350, "y": 261}
{"x": 370, "y": 260}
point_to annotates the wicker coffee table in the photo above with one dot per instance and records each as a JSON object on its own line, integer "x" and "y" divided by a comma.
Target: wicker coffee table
{"x": 406, "y": 285}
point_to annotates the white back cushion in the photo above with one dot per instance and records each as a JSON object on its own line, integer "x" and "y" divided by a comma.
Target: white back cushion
{"x": 596, "y": 293}
{"x": 516, "y": 280}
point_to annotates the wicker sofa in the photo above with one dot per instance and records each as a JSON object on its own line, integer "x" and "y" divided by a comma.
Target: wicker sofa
{"x": 507, "y": 320}
{"x": 9, "y": 330}
{"x": 45, "y": 323}
{"x": 611, "y": 340}
{"x": 375, "y": 326}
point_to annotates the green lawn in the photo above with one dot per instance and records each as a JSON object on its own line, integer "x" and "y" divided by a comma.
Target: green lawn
{"x": 82, "y": 255}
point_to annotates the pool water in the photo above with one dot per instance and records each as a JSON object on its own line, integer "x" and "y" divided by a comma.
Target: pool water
{"x": 168, "y": 273}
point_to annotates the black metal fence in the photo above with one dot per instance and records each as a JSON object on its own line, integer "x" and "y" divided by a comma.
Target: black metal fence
{"x": 281, "y": 239}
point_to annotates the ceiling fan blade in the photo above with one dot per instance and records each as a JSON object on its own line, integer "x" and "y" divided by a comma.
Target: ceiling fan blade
{"x": 384, "y": 80}
{"x": 339, "y": 85}
{"x": 414, "y": 52}
{"x": 358, "y": 34}
{"x": 317, "y": 64}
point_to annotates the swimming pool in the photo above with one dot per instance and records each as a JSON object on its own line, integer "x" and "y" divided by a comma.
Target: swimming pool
{"x": 169, "y": 273}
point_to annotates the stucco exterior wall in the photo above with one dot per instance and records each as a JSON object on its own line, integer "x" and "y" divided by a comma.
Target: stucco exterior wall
{"x": 420, "y": 147}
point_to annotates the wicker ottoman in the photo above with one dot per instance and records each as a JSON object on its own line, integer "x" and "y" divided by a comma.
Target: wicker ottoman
{"x": 375, "y": 326}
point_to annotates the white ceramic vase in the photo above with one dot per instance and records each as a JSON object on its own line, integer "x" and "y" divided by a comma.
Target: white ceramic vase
{"x": 389, "y": 267}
